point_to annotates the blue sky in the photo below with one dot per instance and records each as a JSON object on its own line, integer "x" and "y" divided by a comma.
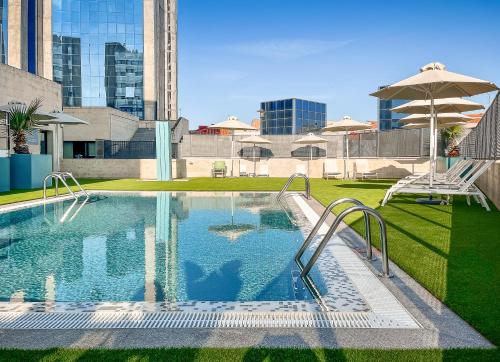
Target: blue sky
{"x": 233, "y": 54}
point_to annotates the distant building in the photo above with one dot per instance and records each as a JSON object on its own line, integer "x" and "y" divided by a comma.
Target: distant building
{"x": 291, "y": 116}
{"x": 207, "y": 130}
{"x": 255, "y": 123}
{"x": 388, "y": 120}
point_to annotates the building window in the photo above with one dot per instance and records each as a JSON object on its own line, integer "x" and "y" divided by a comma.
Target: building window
{"x": 292, "y": 116}
{"x": 98, "y": 51}
{"x": 77, "y": 149}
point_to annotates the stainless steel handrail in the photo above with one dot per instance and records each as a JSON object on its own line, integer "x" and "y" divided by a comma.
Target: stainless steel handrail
{"x": 289, "y": 182}
{"x": 76, "y": 182}
{"x": 322, "y": 219}
{"x": 333, "y": 228}
{"x": 61, "y": 176}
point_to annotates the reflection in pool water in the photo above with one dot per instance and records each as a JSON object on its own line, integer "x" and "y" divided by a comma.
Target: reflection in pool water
{"x": 160, "y": 247}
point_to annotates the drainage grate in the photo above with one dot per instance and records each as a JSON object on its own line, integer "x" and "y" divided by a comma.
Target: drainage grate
{"x": 113, "y": 320}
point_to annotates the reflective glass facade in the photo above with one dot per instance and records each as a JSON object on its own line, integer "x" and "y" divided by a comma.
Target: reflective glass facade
{"x": 3, "y": 31}
{"x": 98, "y": 53}
{"x": 388, "y": 120}
{"x": 291, "y": 116}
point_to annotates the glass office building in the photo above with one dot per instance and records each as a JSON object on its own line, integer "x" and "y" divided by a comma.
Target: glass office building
{"x": 291, "y": 116}
{"x": 98, "y": 48}
{"x": 3, "y": 31}
{"x": 388, "y": 120}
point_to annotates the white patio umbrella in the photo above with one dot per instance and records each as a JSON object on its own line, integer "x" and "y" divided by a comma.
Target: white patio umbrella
{"x": 310, "y": 140}
{"x": 434, "y": 82}
{"x": 443, "y": 105}
{"x": 347, "y": 124}
{"x": 6, "y": 109}
{"x": 427, "y": 125}
{"x": 233, "y": 124}
{"x": 255, "y": 140}
{"x": 439, "y": 117}
{"x": 59, "y": 119}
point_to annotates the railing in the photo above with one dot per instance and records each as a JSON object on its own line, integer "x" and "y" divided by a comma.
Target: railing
{"x": 322, "y": 219}
{"x": 396, "y": 143}
{"x": 61, "y": 176}
{"x": 289, "y": 182}
{"x": 333, "y": 228}
{"x": 129, "y": 149}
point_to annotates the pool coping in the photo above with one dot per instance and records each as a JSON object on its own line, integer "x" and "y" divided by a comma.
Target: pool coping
{"x": 441, "y": 327}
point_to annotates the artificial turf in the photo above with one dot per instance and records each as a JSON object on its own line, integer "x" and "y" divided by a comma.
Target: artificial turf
{"x": 248, "y": 355}
{"x": 451, "y": 250}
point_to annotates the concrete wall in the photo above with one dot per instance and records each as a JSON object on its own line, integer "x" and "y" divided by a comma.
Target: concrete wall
{"x": 202, "y": 167}
{"x": 104, "y": 123}
{"x": 489, "y": 183}
{"x": 20, "y": 86}
{"x": 105, "y": 168}
{"x": 284, "y": 167}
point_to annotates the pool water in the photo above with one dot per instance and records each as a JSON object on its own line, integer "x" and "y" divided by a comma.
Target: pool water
{"x": 155, "y": 247}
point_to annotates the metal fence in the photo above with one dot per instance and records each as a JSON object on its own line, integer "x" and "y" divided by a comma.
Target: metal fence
{"x": 483, "y": 142}
{"x": 126, "y": 149}
{"x": 396, "y": 143}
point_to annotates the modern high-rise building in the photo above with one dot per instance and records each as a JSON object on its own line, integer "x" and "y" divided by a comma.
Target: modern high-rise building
{"x": 291, "y": 116}
{"x": 115, "y": 53}
{"x": 387, "y": 119}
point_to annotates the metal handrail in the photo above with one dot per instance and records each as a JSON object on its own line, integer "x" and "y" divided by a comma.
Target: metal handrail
{"x": 333, "y": 228}
{"x": 289, "y": 182}
{"x": 61, "y": 176}
{"x": 322, "y": 219}
{"x": 76, "y": 182}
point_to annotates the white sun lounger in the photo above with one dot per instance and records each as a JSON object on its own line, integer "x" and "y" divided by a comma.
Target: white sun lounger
{"x": 243, "y": 169}
{"x": 330, "y": 169}
{"x": 464, "y": 185}
{"x": 363, "y": 170}
{"x": 263, "y": 170}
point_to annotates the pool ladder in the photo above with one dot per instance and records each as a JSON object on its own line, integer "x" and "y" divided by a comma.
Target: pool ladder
{"x": 289, "y": 182}
{"x": 358, "y": 207}
{"x": 61, "y": 176}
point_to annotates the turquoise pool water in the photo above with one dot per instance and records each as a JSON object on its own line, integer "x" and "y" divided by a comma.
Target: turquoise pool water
{"x": 159, "y": 247}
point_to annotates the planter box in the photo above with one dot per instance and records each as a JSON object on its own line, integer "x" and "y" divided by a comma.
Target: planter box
{"x": 28, "y": 171}
{"x": 4, "y": 174}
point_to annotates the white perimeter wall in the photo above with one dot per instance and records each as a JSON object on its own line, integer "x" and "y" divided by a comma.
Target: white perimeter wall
{"x": 202, "y": 167}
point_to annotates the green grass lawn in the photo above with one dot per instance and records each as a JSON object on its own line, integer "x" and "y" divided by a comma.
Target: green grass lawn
{"x": 451, "y": 250}
{"x": 248, "y": 355}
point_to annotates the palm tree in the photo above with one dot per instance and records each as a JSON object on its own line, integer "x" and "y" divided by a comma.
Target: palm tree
{"x": 450, "y": 136}
{"x": 23, "y": 119}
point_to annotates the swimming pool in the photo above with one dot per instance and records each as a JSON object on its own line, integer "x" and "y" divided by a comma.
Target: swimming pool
{"x": 178, "y": 260}
{"x": 160, "y": 247}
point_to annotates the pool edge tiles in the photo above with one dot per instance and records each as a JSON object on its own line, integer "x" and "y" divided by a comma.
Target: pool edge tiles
{"x": 380, "y": 299}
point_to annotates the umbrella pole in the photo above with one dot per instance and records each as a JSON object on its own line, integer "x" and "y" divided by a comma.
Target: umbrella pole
{"x": 432, "y": 145}
{"x": 310, "y": 158}
{"x": 254, "y": 162}
{"x": 346, "y": 159}
{"x": 232, "y": 152}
